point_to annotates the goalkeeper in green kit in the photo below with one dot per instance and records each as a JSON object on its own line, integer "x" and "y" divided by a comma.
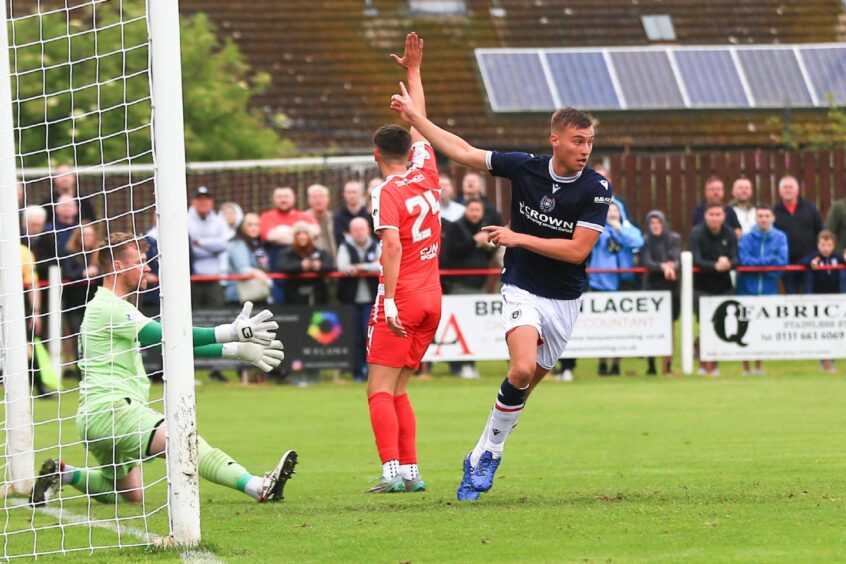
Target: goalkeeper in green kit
{"x": 114, "y": 421}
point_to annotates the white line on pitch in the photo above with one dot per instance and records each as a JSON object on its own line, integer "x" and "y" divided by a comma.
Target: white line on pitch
{"x": 63, "y": 514}
{"x": 200, "y": 557}
{"x": 188, "y": 556}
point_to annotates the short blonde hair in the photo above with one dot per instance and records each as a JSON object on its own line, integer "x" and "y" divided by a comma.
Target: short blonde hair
{"x": 114, "y": 248}
{"x": 570, "y": 117}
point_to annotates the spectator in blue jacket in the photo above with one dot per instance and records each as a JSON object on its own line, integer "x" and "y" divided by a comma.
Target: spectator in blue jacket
{"x": 764, "y": 245}
{"x": 615, "y": 249}
{"x": 246, "y": 255}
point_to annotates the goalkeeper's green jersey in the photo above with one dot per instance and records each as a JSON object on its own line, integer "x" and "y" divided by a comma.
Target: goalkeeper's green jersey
{"x": 109, "y": 351}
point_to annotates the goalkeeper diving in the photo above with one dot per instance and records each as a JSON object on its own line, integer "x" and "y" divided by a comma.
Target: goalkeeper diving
{"x": 114, "y": 421}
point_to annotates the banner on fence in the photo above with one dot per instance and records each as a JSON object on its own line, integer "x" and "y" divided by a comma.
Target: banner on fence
{"x": 314, "y": 337}
{"x": 772, "y": 327}
{"x": 611, "y": 324}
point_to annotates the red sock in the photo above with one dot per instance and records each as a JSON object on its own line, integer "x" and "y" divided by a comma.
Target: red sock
{"x": 407, "y": 430}
{"x": 383, "y": 418}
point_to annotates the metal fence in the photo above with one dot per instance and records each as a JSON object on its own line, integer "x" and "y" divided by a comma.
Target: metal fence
{"x": 672, "y": 182}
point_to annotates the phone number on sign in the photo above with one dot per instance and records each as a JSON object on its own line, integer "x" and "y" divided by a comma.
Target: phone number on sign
{"x": 809, "y": 335}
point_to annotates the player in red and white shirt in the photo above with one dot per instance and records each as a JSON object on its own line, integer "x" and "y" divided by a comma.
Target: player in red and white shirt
{"x": 408, "y": 306}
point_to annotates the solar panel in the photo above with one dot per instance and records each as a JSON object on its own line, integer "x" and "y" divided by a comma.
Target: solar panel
{"x": 647, "y": 79}
{"x": 668, "y": 78}
{"x": 827, "y": 70}
{"x": 583, "y": 80}
{"x": 515, "y": 82}
{"x": 710, "y": 78}
{"x": 774, "y": 77}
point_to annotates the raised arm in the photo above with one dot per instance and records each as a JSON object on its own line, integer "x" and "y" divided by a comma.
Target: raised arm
{"x": 411, "y": 61}
{"x": 451, "y": 145}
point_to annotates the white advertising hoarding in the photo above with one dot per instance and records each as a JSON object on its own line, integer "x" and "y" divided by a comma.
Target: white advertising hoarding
{"x": 611, "y": 324}
{"x": 772, "y": 327}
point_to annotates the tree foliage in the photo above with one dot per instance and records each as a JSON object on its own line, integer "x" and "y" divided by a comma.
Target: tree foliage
{"x": 816, "y": 134}
{"x": 82, "y": 90}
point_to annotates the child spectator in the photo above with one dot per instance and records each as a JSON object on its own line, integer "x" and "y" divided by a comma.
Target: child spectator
{"x": 825, "y": 281}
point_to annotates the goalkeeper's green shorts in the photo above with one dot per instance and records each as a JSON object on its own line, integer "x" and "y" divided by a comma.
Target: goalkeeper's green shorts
{"x": 118, "y": 435}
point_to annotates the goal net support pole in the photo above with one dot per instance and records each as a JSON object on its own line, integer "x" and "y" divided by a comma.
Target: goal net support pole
{"x": 19, "y": 428}
{"x": 171, "y": 206}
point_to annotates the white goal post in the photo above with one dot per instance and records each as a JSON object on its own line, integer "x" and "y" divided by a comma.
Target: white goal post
{"x": 20, "y": 454}
{"x": 177, "y": 344}
{"x": 73, "y": 522}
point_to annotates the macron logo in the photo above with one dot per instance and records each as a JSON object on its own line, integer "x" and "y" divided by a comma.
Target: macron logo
{"x": 555, "y": 187}
{"x": 604, "y": 184}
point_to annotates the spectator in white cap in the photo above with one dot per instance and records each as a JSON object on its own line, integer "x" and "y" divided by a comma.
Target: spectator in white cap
{"x": 209, "y": 236}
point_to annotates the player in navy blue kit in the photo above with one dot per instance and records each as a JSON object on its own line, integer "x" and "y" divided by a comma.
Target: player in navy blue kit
{"x": 558, "y": 210}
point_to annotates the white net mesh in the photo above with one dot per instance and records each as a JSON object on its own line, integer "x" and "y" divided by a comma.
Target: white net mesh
{"x": 78, "y": 124}
{"x": 80, "y": 102}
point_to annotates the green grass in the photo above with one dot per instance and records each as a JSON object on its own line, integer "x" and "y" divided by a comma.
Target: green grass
{"x": 630, "y": 469}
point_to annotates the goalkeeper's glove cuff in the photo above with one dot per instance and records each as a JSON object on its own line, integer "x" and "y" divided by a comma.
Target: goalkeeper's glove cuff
{"x": 225, "y": 333}
{"x": 231, "y": 350}
{"x": 391, "y": 308}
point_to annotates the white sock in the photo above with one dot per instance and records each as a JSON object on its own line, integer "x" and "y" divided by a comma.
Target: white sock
{"x": 390, "y": 469}
{"x": 253, "y": 487}
{"x": 501, "y": 425}
{"x": 409, "y": 471}
{"x": 66, "y": 473}
{"x": 479, "y": 449}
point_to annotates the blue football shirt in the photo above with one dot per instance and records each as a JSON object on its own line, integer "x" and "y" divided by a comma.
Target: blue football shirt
{"x": 549, "y": 206}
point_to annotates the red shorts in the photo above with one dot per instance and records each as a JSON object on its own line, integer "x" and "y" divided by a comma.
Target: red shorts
{"x": 419, "y": 314}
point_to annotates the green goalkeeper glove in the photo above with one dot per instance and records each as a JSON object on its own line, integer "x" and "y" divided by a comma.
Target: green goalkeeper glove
{"x": 263, "y": 357}
{"x": 259, "y": 329}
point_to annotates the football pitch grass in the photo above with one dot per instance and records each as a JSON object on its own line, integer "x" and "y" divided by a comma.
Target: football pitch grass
{"x": 630, "y": 469}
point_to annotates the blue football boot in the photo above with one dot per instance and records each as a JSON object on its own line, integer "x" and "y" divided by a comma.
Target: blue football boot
{"x": 482, "y": 476}
{"x": 465, "y": 489}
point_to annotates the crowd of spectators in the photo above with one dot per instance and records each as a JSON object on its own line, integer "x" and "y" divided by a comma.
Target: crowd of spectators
{"x": 336, "y": 236}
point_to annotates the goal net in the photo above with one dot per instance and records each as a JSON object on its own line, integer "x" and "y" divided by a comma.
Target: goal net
{"x": 80, "y": 101}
